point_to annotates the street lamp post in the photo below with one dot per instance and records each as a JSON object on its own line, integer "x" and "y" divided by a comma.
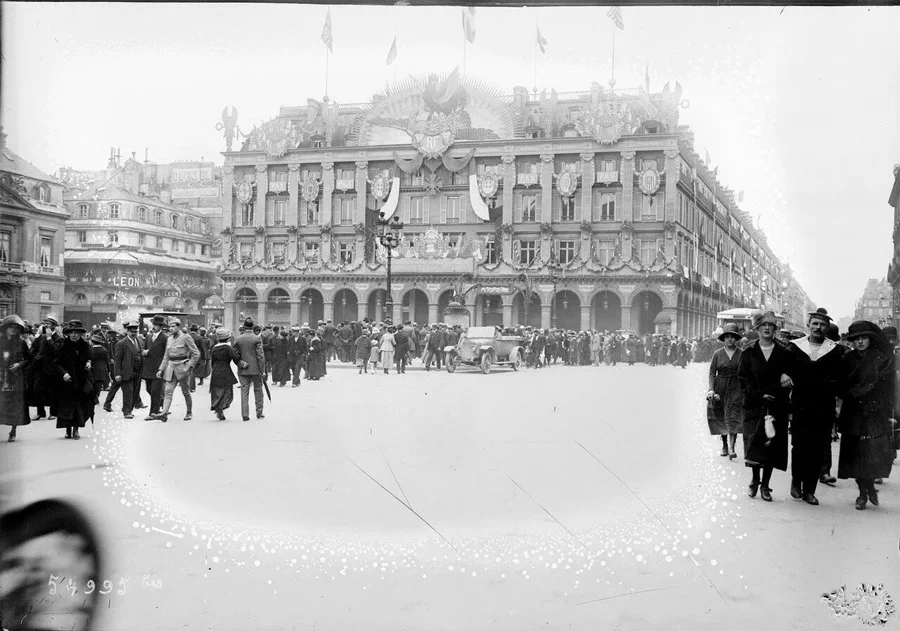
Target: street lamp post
{"x": 390, "y": 232}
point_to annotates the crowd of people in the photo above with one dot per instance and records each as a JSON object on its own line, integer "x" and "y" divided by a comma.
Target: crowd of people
{"x": 808, "y": 391}
{"x": 805, "y": 391}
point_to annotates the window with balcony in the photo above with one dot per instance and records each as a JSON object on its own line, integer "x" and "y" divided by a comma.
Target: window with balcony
{"x": 113, "y": 211}
{"x": 565, "y": 251}
{"x": 490, "y": 251}
{"x": 606, "y": 250}
{"x": 649, "y": 207}
{"x": 452, "y": 207}
{"x": 311, "y": 211}
{"x": 82, "y": 237}
{"x": 348, "y": 205}
{"x": 82, "y": 211}
{"x": 311, "y": 251}
{"x": 345, "y": 253}
{"x": 496, "y": 169}
{"x": 648, "y": 249}
{"x": 564, "y": 208}
{"x": 276, "y": 214}
{"x": 247, "y": 214}
{"x": 112, "y": 236}
{"x": 608, "y": 166}
{"x": 526, "y": 208}
{"x": 528, "y": 174}
{"x": 604, "y": 207}
{"x": 417, "y": 178}
{"x": 278, "y": 182}
{"x": 246, "y": 251}
{"x": 141, "y": 214}
{"x": 5, "y": 246}
{"x": 417, "y": 206}
{"x": 527, "y": 252}
{"x": 141, "y": 239}
{"x": 278, "y": 252}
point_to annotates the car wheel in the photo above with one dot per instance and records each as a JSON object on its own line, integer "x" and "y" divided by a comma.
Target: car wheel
{"x": 451, "y": 364}
{"x": 516, "y": 360}
{"x": 486, "y": 363}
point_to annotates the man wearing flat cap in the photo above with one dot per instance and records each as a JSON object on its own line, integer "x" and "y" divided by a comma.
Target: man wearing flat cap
{"x": 816, "y": 381}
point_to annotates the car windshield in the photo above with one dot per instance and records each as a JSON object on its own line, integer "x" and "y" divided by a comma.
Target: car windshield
{"x": 481, "y": 331}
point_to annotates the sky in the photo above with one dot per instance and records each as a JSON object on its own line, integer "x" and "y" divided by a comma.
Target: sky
{"x": 798, "y": 107}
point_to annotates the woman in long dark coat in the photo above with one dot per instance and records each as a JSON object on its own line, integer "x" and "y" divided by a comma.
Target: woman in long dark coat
{"x": 764, "y": 374}
{"x": 100, "y": 368}
{"x": 315, "y": 368}
{"x": 868, "y": 401}
{"x": 14, "y": 362}
{"x": 71, "y": 368}
{"x": 724, "y": 411}
{"x": 221, "y": 378}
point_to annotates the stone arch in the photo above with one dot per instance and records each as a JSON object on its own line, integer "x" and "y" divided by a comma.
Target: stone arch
{"x": 606, "y": 310}
{"x": 241, "y": 290}
{"x": 345, "y": 305}
{"x": 533, "y": 315}
{"x": 312, "y": 306}
{"x": 653, "y": 290}
{"x": 646, "y": 304}
{"x": 566, "y": 310}
{"x": 414, "y": 305}
{"x": 375, "y": 300}
{"x": 443, "y": 301}
{"x": 599, "y": 290}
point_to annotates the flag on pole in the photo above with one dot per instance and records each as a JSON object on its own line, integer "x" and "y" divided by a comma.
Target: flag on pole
{"x": 541, "y": 42}
{"x": 327, "y": 36}
{"x": 615, "y": 14}
{"x": 468, "y": 23}
{"x": 392, "y": 53}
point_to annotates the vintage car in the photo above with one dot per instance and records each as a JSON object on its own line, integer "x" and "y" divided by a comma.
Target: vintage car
{"x": 483, "y": 346}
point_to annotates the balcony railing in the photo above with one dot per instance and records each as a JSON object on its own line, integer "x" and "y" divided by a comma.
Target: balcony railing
{"x": 6, "y": 266}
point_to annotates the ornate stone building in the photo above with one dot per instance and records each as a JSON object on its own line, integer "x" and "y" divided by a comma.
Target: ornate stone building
{"x": 140, "y": 238}
{"x": 893, "y": 276}
{"x": 875, "y": 303}
{"x": 578, "y": 210}
{"x": 32, "y": 229}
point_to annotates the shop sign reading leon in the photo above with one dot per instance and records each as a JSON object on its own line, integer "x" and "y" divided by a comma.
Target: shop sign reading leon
{"x": 126, "y": 281}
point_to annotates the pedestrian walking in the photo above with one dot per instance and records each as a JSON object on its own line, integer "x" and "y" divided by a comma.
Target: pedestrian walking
{"x": 70, "y": 369}
{"x": 401, "y": 350}
{"x": 298, "y": 347}
{"x": 197, "y": 370}
{"x": 251, "y": 368}
{"x": 387, "y": 345}
{"x": 764, "y": 375}
{"x": 43, "y": 350}
{"x": 101, "y": 368}
{"x": 867, "y": 409}
{"x": 154, "y": 350}
{"x": 813, "y": 401}
{"x": 128, "y": 362}
{"x": 724, "y": 396}
{"x": 221, "y": 378}
{"x": 14, "y": 363}
{"x": 315, "y": 366}
{"x": 362, "y": 353}
{"x": 281, "y": 373}
{"x": 180, "y": 357}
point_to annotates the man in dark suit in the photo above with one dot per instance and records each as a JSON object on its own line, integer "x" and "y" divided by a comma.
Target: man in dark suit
{"x": 128, "y": 360}
{"x": 251, "y": 369}
{"x": 298, "y": 345}
{"x": 328, "y": 337}
{"x": 201, "y": 346}
{"x": 154, "y": 349}
{"x": 100, "y": 368}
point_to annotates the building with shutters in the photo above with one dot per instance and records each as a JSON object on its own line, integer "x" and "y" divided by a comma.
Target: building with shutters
{"x": 875, "y": 305}
{"x": 32, "y": 229}
{"x": 577, "y": 210}
{"x": 140, "y": 238}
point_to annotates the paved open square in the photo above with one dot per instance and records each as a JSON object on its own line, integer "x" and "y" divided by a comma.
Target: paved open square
{"x": 568, "y": 497}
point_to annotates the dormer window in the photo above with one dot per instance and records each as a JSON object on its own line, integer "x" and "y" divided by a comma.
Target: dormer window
{"x": 43, "y": 193}
{"x": 113, "y": 211}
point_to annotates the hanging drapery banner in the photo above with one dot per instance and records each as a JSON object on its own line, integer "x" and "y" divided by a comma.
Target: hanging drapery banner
{"x": 409, "y": 165}
{"x": 390, "y": 206}
{"x": 478, "y": 204}
{"x": 457, "y": 163}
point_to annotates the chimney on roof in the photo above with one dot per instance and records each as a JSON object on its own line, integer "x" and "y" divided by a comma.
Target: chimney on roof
{"x": 111, "y": 164}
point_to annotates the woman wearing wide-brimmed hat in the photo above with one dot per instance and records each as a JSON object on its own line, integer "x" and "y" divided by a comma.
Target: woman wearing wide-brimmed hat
{"x": 724, "y": 396}
{"x": 222, "y": 379}
{"x": 14, "y": 362}
{"x": 764, "y": 374}
{"x": 867, "y": 409}
{"x": 72, "y": 371}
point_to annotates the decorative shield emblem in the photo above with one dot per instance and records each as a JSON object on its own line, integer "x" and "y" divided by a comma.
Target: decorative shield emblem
{"x": 488, "y": 185}
{"x": 566, "y": 183}
{"x": 648, "y": 181}
{"x": 275, "y": 138}
{"x": 433, "y": 145}
{"x": 381, "y": 186}
{"x": 310, "y": 189}
{"x": 605, "y": 122}
{"x": 244, "y": 192}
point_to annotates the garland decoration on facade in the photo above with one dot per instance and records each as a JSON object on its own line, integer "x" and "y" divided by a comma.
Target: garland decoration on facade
{"x": 546, "y": 230}
{"x": 325, "y": 229}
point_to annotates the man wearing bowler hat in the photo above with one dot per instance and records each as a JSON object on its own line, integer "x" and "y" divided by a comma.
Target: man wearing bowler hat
{"x": 251, "y": 369}
{"x": 816, "y": 380}
{"x": 154, "y": 349}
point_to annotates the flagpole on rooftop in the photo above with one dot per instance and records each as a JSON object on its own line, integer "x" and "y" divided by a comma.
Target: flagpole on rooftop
{"x": 612, "y": 80}
{"x": 535, "y": 54}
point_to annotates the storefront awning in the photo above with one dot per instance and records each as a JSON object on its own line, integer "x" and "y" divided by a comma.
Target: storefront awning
{"x": 102, "y": 256}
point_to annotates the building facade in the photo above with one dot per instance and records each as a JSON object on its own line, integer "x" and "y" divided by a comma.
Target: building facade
{"x": 875, "y": 304}
{"x": 893, "y": 276}
{"x": 32, "y": 231}
{"x": 140, "y": 238}
{"x": 586, "y": 210}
